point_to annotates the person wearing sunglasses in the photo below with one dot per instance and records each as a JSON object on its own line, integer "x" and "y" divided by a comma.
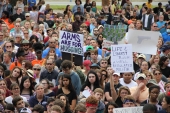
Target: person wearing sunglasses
{"x": 36, "y": 70}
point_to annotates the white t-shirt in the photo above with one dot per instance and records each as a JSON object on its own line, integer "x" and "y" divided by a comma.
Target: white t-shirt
{"x": 9, "y": 99}
{"x": 42, "y": 9}
{"x": 131, "y": 84}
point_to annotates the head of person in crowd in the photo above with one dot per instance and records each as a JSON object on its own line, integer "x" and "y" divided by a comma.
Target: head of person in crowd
{"x": 15, "y": 89}
{"x": 8, "y": 46}
{"x": 91, "y": 104}
{"x": 26, "y": 34}
{"x": 65, "y": 100}
{"x": 69, "y": 27}
{"x": 18, "y": 10}
{"x": 80, "y": 108}
{"x": 18, "y": 40}
{"x": 1, "y": 36}
{"x": 36, "y": 70}
{"x": 98, "y": 93}
{"x": 25, "y": 45}
{"x": 33, "y": 39}
{"x": 94, "y": 56}
{"x": 46, "y": 84}
{"x": 18, "y": 102}
{"x": 26, "y": 85}
{"x": 92, "y": 81}
{"x": 88, "y": 39}
{"x": 141, "y": 80}
{"x": 50, "y": 103}
{"x": 41, "y": 19}
{"x": 164, "y": 61}
{"x": 86, "y": 65}
{"x": 109, "y": 70}
{"x": 95, "y": 32}
{"x": 168, "y": 28}
{"x": 99, "y": 74}
{"x": 17, "y": 26}
{"x": 153, "y": 93}
{"x": 166, "y": 103}
{"x": 16, "y": 73}
{"x": 4, "y": 27}
{"x": 100, "y": 40}
{"x": 123, "y": 92}
{"x": 78, "y": 2}
{"x": 56, "y": 109}
{"x": 38, "y": 47}
{"x": 149, "y": 75}
{"x": 38, "y": 109}
{"x": 144, "y": 66}
{"x": 83, "y": 26}
{"x": 127, "y": 77}
{"x": 141, "y": 58}
{"x": 2, "y": 72}
{"x": 52, "y": 43}
{"x": 49, "y": 64}
{"x": 149, "y": 108}
{"x": 66, "y": 66}
{"x": 100, "y": 29}
{"x": 157, "y": 75}
{"x": 103, "y": 63}
{"x": 139, "y": 25}
{"x": 129, "y": 101}
{"x": 161, "y": 18}
{"x": 9, "y": 108}
{"x": 20, "y": 55}
{"x": 59, "y": 103}
{"x": 154, "y": 26}
{"x": 110, "y": 106}
{"x": 27, "y": 25}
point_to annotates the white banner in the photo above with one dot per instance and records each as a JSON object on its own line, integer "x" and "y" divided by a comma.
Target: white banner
{"x": 107, "y": 45}
{"x": 143, "y": 41}
{"x": 71, "y": 43}
{"x": 121, "y": 58}
{"x": 128, "y": 110}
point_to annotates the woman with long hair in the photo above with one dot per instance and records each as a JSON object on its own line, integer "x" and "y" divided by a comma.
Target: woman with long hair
{"x": 26, "y": 88}
{"x": 16, "y": 73}
{"x": 47, "y": 91}
{"x": 139, "y": 25}
{"x": 68, "y": 90}
{"x": 92, "y": 82}
{"x": 4, "y": 85}
{"x": 64, "y": 98}
{"x": 87, "y": 6}
{"x": 94, "y": 7}
{"x": 68, "y": 8}
{"x": 163, "y": 63}
{"x": 110, "y": 106}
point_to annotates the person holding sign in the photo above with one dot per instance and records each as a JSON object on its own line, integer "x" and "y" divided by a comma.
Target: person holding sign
{"x": 140, "y": 92}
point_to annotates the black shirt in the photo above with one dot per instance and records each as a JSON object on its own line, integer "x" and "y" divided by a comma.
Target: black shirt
{"x": 50, "y": 23}
{"x": 15, "y": 16}
{"x": 119, "y": 102}
{"x": 166, "y": 71}
{"x": 49, "y": 76}
{"x": 87, "y": 7}
{"x": 107, "y": 88}
{"x": 157, "y": 10}
{"x": 107, "y": 17}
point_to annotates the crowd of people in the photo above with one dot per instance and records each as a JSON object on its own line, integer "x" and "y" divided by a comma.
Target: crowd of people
{"x": 35, "y": 77}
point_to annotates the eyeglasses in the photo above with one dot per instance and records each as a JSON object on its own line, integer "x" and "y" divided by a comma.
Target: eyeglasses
{"x": 157, "y": 73}
{"x": 49, "y": 64}
{"x": 17, "y": 26}
{"x": 36, "y": 69}
{"x": 104, "y": 62}
{"x": 52, "y": 42}
{"x": 8, "y": 46}
{"x": 15, "y": 89}
{"x": 25, "y": 45}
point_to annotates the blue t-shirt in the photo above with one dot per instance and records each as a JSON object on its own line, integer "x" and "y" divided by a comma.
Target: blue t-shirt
{"x": 165, "y": 37}
{"x": 31, "y": 2}
{"x": 57, "y": 51}
{"x": 160, "y": 24}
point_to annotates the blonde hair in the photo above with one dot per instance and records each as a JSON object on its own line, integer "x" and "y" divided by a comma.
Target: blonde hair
{"x": 123, "y": 88}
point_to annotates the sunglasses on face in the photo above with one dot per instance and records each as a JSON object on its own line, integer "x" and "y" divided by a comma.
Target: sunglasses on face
{"x": 36, "y": 69}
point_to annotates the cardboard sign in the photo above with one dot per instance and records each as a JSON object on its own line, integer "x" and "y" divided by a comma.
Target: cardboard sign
{"x": 71, "y": 43}
{"x": 143, "y": 41}
{"x": 107, "y": 45}
{"x": 121, "y": 58}
{"x": 128, "y": 110}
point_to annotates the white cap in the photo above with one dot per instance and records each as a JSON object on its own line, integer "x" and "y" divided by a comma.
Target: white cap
{"x": 118, "y": 74}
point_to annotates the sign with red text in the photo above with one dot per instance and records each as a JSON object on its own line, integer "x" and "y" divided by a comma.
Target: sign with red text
{"x": 121, "y": 58}
{"x": 71, "y": 43}
{"x": 107, "y": 45}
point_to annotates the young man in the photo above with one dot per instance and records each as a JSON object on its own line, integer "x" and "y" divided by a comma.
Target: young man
{"x": 75, "y": 79}
{"x": 50, "y": 103}
{"x": 129, "y": 101}
{"x": 56, "y": 109}
{"x": 18, "y": 103}
{"x": 95, "y": 58}
{"x": 91, "y": 104}
{"x": 98, "y": 93}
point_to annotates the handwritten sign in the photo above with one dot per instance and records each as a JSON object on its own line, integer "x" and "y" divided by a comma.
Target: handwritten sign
{"x": 128, "y": 110}
{"x": 143, "y": 40}
{"x": 107, "y": 45}
{"x": 121, "y": 58}
{"x": 71, "y": 43}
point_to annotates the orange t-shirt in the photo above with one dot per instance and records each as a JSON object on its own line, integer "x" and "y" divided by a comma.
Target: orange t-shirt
{"x": 40, "y": 62}
{"x": 13, "y": 65}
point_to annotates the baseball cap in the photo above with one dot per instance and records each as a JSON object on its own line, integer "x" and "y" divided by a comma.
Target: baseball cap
{"x": 25, "y": 42}
{"x": 95, "y": 65}
{"x": 27, "y": 14}
{"x": 152, "y": 81}
{"x": 25, "y": 110}
{"x": 165, "y": 47}
{"x": 141, "y": 75}
{"x": 118, "y": 74}
{"x": 88, "y": 48}
{"x": 142, "y": 56}
{"x": 87, "y": 64}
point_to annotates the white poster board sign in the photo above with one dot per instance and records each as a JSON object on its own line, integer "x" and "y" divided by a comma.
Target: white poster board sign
{"x": 128, "y": 110}
{"x": 143, "y": 41}
{"x": 121, "y": 58}
{"x": 71, "y": 43}
{"x": 107, "y": 45}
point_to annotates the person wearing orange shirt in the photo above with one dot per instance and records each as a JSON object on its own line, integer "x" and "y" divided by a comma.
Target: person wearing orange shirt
{"x": 20, "y": 55}
{"x": 38, "y": 47}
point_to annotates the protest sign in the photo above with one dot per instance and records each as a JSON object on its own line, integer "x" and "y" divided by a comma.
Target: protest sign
{"x": 71, "y": 43}
{"x": 107, "y": 45}
{"x": 121, "y": 58}
{"x": 114, "y": 33}
{"x": 143, "y": 41}
{"x": 128, "y": 110}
